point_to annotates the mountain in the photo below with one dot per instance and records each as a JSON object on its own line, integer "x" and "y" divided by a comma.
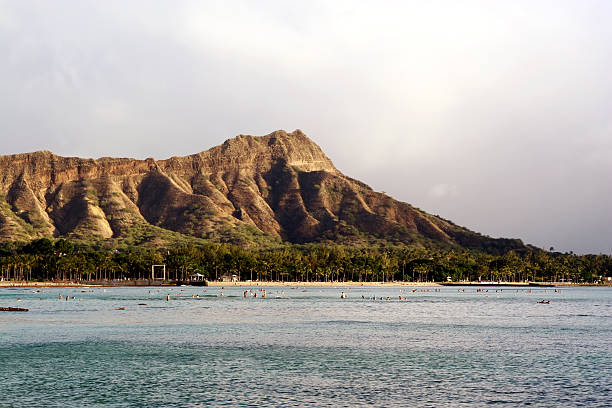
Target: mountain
{"x": 249, "y": 190}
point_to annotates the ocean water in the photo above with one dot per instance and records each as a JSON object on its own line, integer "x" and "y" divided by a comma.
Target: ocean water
{"x": 306, "y": 347}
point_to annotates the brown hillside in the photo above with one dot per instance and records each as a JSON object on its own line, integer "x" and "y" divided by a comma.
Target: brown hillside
{"x": 279, "y": 186}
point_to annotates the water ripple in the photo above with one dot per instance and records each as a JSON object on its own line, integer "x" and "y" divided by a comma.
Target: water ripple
{"x": 307, "y": 349}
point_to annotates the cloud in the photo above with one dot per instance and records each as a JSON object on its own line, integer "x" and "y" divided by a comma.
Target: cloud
{"x": 443, "y": 191}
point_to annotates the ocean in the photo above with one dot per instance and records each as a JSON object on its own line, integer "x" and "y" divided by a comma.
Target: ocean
{"x": 437, "y": 346}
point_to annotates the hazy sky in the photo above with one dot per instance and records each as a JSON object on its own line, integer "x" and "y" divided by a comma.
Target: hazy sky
{"x": 494, "y": 114}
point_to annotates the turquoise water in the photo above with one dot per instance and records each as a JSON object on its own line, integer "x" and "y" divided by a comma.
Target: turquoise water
{"x": 305, "y": 347}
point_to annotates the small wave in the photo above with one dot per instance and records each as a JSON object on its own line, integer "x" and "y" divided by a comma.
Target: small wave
{"x": 344, "y": 322}
{"x": 585, "y": 315}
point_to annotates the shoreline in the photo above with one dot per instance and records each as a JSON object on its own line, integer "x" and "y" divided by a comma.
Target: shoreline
{"x": 25, "y": 284}
{"x": 149, "y": 283}
{"x": 319, "y": 284}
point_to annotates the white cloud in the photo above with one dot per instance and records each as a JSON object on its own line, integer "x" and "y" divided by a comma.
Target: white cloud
{"x": 443, "y": 191}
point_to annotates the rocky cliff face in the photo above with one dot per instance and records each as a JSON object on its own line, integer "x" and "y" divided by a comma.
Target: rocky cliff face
{"x": 276, "y": 187}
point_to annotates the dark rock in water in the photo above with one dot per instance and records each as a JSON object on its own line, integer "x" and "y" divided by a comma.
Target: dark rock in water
{"x": 13, "y": 309}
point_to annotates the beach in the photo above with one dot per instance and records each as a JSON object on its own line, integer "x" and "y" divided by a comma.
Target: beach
{"x": 124, "y": 283}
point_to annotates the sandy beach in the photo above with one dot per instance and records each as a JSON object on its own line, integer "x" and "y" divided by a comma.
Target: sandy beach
{"x": 212, "y": 283}
{"x": 18, "y": 284}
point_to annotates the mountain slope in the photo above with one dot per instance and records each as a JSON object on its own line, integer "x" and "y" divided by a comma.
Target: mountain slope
{"x": 249, "y": 190}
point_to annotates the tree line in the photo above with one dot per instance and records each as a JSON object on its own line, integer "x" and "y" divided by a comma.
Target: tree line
{"x": 45, "y": 259}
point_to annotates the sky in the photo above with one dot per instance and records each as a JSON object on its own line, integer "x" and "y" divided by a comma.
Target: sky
{"x": 494, "y": 114}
